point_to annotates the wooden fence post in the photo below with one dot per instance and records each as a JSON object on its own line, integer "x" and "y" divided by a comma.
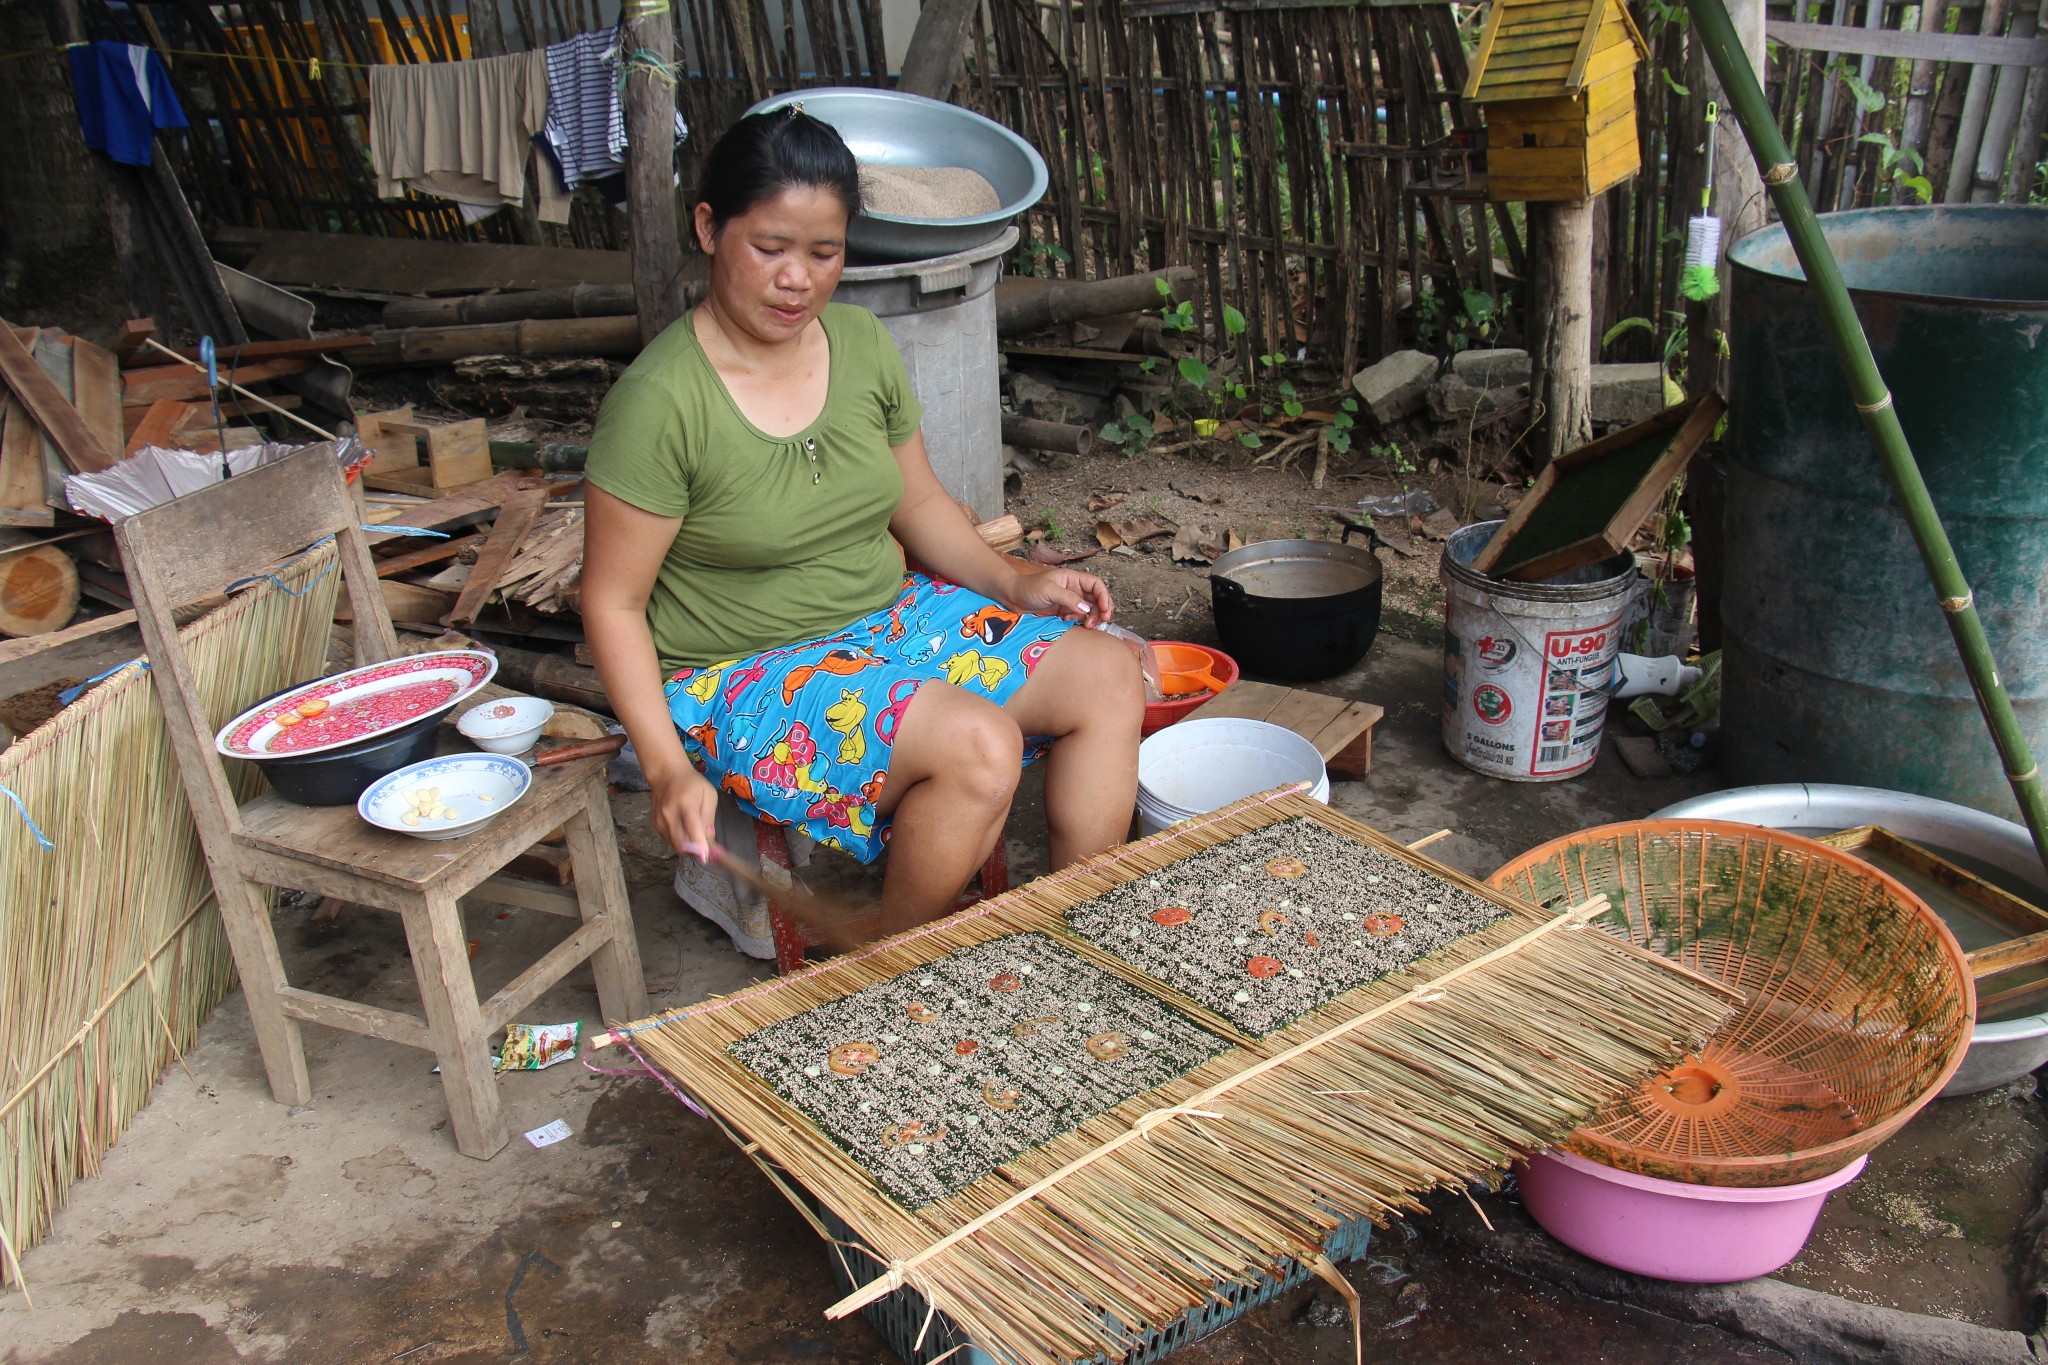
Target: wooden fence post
{"x": 650, "y": 102}
{"x": 1561, "y": 261}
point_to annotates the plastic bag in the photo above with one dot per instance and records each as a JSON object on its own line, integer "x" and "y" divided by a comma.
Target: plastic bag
{"x": 536, "y": 1047}
{"x": 1146, "y": 662}
{"x": 1414, "y": 502}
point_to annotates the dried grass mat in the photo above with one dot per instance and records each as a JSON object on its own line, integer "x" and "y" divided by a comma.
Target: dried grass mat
{"x": 1493, "y": 1045}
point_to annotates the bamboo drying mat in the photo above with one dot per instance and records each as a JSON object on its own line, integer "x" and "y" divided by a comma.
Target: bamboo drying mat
{"x": 1492, "y": 1047}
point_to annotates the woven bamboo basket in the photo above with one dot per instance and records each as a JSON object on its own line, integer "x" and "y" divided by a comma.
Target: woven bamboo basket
{"x": 1858, "y": 1001}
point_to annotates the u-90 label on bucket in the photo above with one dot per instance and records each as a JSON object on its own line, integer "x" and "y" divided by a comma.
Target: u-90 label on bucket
{"x": 1577, "y": 665}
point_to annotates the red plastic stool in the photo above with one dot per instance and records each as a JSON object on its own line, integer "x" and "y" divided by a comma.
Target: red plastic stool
{"x": 790, "y": 937}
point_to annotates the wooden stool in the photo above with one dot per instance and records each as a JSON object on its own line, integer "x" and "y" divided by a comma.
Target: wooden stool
{"x": 791, "y": 939}
{"x": 189, "y": 548}
{"x": 1341, "y": 730}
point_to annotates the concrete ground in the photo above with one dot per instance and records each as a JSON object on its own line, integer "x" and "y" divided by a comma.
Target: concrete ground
{"x": 224, "y": 1227}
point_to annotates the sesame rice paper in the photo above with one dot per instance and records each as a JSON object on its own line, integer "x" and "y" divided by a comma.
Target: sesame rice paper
{"x": 936, "y": 1078}
{"x": 1269, "y": 925}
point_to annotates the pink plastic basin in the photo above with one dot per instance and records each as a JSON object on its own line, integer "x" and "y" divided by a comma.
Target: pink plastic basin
{"x": 1701, "y": 1234}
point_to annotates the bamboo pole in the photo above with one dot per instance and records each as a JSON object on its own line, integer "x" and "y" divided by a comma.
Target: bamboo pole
{"x": 1874, "y": 402}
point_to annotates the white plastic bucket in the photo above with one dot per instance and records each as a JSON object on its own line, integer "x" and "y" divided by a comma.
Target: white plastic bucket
{"x": 1202, "y": 765}
{"x": 1526, "y": 665}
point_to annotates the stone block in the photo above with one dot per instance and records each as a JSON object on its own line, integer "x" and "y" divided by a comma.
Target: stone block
{"x": 1397, "y": 386}
{"x": 1452, "y": 399}
{"x": 1627, "y": 393}
{"x": 1492, "y": 368}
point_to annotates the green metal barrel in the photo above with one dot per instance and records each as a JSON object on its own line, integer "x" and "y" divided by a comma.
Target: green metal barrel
{"x": 1837, "y": 665}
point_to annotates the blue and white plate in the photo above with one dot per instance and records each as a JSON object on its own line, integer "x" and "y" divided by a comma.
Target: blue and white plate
{"x": 445, "y": 798}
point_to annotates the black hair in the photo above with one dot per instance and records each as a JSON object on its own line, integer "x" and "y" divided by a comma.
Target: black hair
{"x": 764, "y": 154}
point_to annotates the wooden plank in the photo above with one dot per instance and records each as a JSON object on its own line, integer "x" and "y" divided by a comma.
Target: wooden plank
{"x": 159, "y": 426}
{"x": 290, "y": 349}
{"x": 459, "y": 453}
{"x": 96, "y": 391}
{"x": 1688, "y": 427}
{"x": 50, "y": 408}
{"x": 151, "y": 384}
{"x": 507, "y": 534}
{"x": 390, "y": 448}
{"x": 1588, "y": 42}
{"x": 2004, "y": 957}
{"x": 1972, "y": 48}
{"x": 398, "y": 265}
{"x": 354, "y": 1017}
{"x": 1487, "y": 40}
{"x": 13, "y": 651}
{"x": 128, "y": 338}
{"x": 432, "y": 554}
{"x": 23, "y": 497}
{"x": 463, "y": 503}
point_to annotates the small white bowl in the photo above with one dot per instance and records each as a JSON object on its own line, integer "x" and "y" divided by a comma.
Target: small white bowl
{"x": 509, "y": 725}
{"x": 446, "y": 797}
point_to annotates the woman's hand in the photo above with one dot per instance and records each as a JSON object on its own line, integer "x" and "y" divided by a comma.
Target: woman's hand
{"x": 685, "y": 810}
{"x": 1065, "y": 593}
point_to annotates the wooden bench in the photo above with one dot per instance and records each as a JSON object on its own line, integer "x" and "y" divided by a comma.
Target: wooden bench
{"x": 1341, "y": 730}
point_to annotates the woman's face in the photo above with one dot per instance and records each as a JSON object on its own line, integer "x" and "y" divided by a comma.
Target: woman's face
{"x": 774, "y": 267}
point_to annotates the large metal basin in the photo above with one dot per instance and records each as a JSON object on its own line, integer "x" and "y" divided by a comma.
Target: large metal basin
{"x": 2002, "y": 1050}
{"x": 889, "y": 128}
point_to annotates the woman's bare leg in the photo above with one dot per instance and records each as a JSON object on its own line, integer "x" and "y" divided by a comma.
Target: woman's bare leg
{"x": 952, "y": 773}
{"x": 1088, "y": 697}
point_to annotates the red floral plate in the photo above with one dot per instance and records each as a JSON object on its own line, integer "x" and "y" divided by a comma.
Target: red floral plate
{"x": 348, "y": 708}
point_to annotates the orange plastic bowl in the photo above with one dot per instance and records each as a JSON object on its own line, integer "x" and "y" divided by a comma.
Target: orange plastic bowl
{"x": 1160, "y": 714}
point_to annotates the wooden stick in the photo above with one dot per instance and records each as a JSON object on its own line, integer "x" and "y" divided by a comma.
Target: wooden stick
{"x": 321, "y": 432}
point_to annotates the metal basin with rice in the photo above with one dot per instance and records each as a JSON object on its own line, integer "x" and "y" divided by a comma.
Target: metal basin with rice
{"x": 889, "y": 128}
{"x": 2003, "y": 1048}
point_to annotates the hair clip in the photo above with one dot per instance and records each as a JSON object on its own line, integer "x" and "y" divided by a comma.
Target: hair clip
{"x": 795, "y": 108}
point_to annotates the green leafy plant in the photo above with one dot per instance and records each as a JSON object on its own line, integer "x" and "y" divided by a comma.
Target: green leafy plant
{"x": 1901, "y": 163}
{"x": 1129, "y": 434}
{"x": 1395, "y": 456}
{"x": 1040, "y": 259}
{"x": 1176, "y": 317}
{"x": 1456, "y": 322}
{"x": 1341, "y": 425}
{"x": 1052, "y": 525}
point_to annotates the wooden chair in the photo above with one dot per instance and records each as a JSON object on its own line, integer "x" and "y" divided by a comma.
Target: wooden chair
{"x": 192, "y": 547}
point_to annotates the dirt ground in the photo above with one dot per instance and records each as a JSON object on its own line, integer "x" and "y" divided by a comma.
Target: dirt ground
{"x": 225, "y": 1228}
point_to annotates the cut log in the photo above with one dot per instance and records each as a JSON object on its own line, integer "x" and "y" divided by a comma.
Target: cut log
{"x": 567, "y": 336}
{"x": 1023, "y": 310}
{"x": 576, "y": 301}
{"x": 1032, "y": 434}
{"x": 39, "y": 585}
{"x": 552, "y": 676}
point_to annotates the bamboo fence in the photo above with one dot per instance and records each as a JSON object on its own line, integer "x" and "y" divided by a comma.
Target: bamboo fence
{"x": 1448, "y": 1069}
{"x": 1972, "y": 130}
{"x": 111, "y": 950}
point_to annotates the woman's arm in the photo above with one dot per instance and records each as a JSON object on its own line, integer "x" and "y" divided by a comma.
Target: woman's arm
{"x": 623, "y": 547}
{"x": 929, "y": 525}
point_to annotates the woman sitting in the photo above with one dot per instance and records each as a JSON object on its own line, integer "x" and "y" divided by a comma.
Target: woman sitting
{"x": 746, "y": 477}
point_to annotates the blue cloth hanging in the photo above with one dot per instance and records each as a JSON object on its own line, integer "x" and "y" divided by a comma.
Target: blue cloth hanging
{"x": 124, "y": 98}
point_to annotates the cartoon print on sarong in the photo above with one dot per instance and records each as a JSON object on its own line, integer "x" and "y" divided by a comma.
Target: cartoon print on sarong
{"x": 840, "y": 662}
{"x": 845, "y": 716}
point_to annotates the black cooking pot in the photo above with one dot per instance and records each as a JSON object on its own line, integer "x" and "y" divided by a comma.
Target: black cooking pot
{"x": 336, "y": 777}
{"x": 1298, "y": 610}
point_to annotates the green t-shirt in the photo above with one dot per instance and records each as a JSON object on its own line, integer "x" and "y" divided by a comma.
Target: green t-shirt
{"x": 784, "y": 538}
